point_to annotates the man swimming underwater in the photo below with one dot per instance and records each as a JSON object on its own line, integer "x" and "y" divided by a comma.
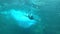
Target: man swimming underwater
{"x": 30, "y": 16}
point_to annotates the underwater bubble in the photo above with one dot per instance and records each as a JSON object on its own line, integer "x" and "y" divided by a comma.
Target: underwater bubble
{"x": 22, "y": 19}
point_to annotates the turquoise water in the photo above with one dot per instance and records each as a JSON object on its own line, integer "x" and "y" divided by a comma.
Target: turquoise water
{"x": 16, "y": 17}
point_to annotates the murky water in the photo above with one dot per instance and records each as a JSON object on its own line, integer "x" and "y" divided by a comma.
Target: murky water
{"x": 45, "y": 12}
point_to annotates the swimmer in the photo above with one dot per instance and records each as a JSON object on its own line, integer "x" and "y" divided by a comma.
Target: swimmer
{"x": 30, "y": 16}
